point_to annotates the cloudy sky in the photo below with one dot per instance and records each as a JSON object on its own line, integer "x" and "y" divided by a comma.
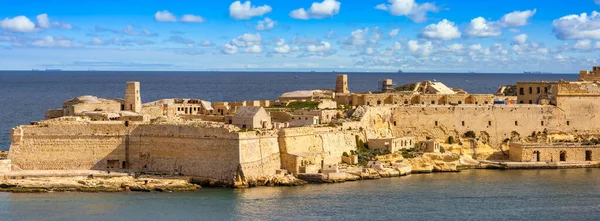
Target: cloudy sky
{"x": 556, "y": 36}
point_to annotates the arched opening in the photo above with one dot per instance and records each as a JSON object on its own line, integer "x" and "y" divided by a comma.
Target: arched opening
{"x": 405, "y": 101}
{"x": 244, "y": 126}
{"x": 378, "y": 102}
{"x": 230, "y": 122}
{"x": 536, "y": 156}
{"x": 521, "y": 91}
{"x": 127, "y": 123}
{"x": 563, "y": 155}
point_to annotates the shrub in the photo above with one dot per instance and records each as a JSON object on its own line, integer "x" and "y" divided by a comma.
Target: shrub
{"x": 442, "y": 150}
{"x": 303, "y": 105}
{"x": 470, "y": 134}
{"x": 506, "y": 140}
{"x": 450, "y": 140}
{"x": 345, "y": 154}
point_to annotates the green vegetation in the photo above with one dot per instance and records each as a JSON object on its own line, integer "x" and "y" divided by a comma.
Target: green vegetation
{"x": 364, "y": 153}
{"x": 511, "y": 90}
{"x": 303, "y": 105}
{"x": 411, "y": 153}
{"x": 406, "y": 87}
{"x": 470, "y": 134}
{"x": 450, "y": 140}
{"x": 345, "y": 154}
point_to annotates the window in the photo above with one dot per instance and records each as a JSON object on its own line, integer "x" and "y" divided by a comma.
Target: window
{"x": 538, "y": 90}
{"x": 536, "y": 156}
{"x": 405, "y": 101}
{"x": 588, "y": 155}
{"x": 394, "y": 123}
{"x": 459, "y": 102}
{"x": 530, "y": 102}
{"x": 436, "y": 123}
{"x": 476, "y": 102}
{"x": 516, "y": 123}
{"x": 521, "y": 102}
{"x": 568, "y": 123}
{"x": 542, "y": 123}
{"x": 546, "y": 90}
{"x": 530, "y": 90}
{"x": 378, "y": 102}
{"x": 489, "y": 123}
{"x": 463, "y": 123}
{"x": 432, "y": 102}
{"x": 521, "y": 91}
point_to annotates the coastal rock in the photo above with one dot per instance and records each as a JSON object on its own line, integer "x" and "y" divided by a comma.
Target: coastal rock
{"x": 312, "y": 177}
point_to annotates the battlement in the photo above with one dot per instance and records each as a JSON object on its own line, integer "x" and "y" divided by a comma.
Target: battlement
{"x": 593, "y": 75}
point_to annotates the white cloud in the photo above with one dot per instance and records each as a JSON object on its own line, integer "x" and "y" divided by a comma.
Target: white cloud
{"x": 520, "y": 39}
{"x": 479, "y": 27}
{"x": 50, "y": 41}
{"x": 97, "y": 41}
{"x": 514, "y": 30}
{"x": 323, "y": 47}
{"x": 517, "y": 18}
{"x": 409, "y": 8}
{"x": 164, "y": 16}
{"x": 395, "y": 47}
{"x": 247, "y": 40}
{"x": 206, "y": 43}
{"x": 420, "y": 50}
{"x": 578, "y": 26}
{"x": 394, "y": 33}
{"x": 444, "y": 30}
{"x": 254, "y": 49}
{"x": 327, "y": 8}
{"x": 43, "y": 21}
{"x": 362, "y": 37}
{"x": 266, "y": 24}
{"x": 283, "y": 49}
{"x": 280, "y": 42}
{"x": 330, "y": 34}
{"x": 229, "y": 49}
{"x": 242, "y": 11}
{"x": 192, "y": 18}
{"x": 584, "y": 44}
{"x": 597, "y": 45}
{"x": 129, "y": 30}
{"x": 455, "y": 48}
{"x": 18, "y": 24}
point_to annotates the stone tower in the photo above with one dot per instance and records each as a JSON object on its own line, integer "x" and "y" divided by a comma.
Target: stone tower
{"x": 341, "y": 84}
{"x": 387, "y": 86}
{"x": 133, "y": 100}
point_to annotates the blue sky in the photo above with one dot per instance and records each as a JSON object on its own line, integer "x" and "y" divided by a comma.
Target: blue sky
{"x": 355, "y": 35}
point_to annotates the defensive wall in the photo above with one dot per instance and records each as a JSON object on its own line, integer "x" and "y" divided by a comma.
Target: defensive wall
{"x": 186, "y": 148}
{"x": 491, "y": 123}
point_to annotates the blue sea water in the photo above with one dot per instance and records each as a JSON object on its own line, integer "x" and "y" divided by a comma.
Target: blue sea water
{"x": 568, "y": 194}
{"x": 26, "y": 95}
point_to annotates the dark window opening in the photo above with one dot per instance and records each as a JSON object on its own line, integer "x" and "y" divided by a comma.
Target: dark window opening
{"x": 568, "y": 123}
{"x": 521, "y": 91}
{"x": 432, "y": 102}
{"x": 542, "y": 123}
{"x": 244, "y": 126}
{"x": 124, "y": 164}
{"x": 521, "y": 102}
{"x": 545, "y": 90}
{"x": 530, "y": 90}
{"x": 588, "y": 155}
{"x": 378, "y": 102}
{"x": 563, "y": 155}
{"x": 530, "y": 102}
{"x": 536, "y": 156}
{"x": 436, "y": 123}
{"x": 538, "y": 90}
{"x": 394, "y": 123}
{"x": 489, "y": 123}
{"x": 127, "y": 123}
{"x": 516, "y": 123}
{"x": 459, "y": 102}
{"x": 463, "y": 123}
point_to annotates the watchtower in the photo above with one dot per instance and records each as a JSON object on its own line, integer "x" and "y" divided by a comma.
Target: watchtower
{"x": 387, "y": 86}
{"x": 341, "y": 84}
{"x": 133, "y": 100}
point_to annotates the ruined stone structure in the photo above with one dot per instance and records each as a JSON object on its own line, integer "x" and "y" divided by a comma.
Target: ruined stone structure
{"x": 341, "y": 84}
{"x": 190, "y": 137}
{"x": 556, "y": 152}
{"x": 594, "y": 75}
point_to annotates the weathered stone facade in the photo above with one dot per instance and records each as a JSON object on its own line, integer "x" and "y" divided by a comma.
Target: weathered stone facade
{"x": 557, "y": 152}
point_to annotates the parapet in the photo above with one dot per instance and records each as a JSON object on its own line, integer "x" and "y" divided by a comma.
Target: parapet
{"x": 594, "y": 75}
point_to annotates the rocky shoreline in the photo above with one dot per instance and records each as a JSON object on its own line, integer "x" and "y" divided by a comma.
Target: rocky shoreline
{"x": 391, "y": 165}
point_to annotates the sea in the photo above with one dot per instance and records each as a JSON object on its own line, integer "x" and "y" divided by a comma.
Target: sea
{"x": 567, "y": 194}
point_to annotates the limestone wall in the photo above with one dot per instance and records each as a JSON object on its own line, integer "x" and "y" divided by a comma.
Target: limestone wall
{"x": 491, "y": 123}
{"x": 329, "y": 142}
{"x": 189, "y": 149}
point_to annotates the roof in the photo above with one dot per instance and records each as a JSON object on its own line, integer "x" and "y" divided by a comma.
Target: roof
{"x": 441, "y": 88}
{"x": 247, "y": 111}
{"x": 303, "y": 93}
{"x": 89, "y": 99}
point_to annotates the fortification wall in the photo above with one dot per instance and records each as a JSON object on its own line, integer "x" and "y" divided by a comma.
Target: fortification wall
{"x": 329, "y": 142}
{"x": 491, "y": 123}
{"x": 178, "y": 148}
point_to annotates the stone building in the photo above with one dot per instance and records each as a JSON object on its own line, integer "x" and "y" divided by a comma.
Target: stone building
{"x": 429, "y": 146}
{"x": 553, "y": 152}
{"x": 392, "y": 144}
{"x": 248, "y": 117}
{"x": 594, "y": 75}
{"x": 133, "y": 100}
{"x": 307, "y": 95}
{"x": 341, "y": 84}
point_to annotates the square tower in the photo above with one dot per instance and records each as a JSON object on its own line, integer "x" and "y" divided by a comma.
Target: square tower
{"x": 133, "y": 100}
{"x": 341, "y": 84}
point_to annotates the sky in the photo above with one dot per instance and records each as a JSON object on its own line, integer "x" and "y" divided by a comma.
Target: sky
{"x": 491, "y": 36}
